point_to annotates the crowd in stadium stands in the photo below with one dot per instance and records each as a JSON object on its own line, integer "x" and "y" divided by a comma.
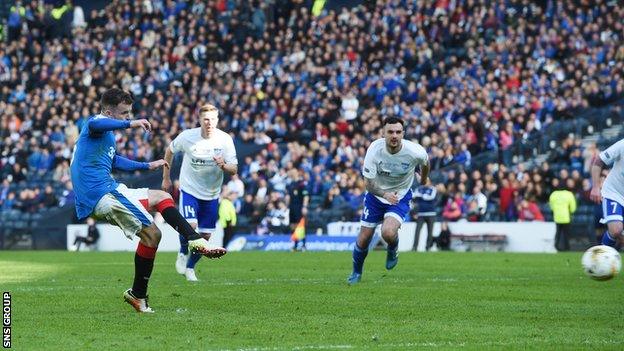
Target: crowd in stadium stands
{"x": 312, "y": 87}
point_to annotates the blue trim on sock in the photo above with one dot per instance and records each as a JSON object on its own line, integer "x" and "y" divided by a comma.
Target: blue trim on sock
{"x": 608, "y": 240}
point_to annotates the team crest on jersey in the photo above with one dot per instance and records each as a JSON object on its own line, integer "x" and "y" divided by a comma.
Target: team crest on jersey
{"x": 405, "y": 166}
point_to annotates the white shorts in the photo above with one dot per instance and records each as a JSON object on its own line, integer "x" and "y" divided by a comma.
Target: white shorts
{"x": 125, "y": 208}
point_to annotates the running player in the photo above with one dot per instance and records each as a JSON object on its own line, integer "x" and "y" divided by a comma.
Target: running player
{"x": 208, "y": 153}
{"x": 611, "y": 193}
{"x": 99, "y": 195}
{"x": 389, "y": 167}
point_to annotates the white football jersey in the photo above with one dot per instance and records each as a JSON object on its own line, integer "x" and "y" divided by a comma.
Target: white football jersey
{"x": 393, "y": 172}
{"x": 613, "y": 187}
{"x": 200, "y": 176}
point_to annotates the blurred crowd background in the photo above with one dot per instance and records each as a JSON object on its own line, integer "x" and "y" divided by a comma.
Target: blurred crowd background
{"x": 487, "y": 87}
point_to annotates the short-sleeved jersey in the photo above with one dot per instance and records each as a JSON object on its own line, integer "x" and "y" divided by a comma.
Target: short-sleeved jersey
{"x": 393, "y": 172}
{"x": 200, "y": 176}
{"x": 91, "y": 168}
{"x": 613, "y": 187}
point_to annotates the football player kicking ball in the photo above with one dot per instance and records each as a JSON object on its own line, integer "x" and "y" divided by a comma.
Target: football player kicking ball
{"x": 100, "y": 196}
{"x": 208, "y": 154}
{"x": 612, "y": 192}
{"x": 389, "y": 167}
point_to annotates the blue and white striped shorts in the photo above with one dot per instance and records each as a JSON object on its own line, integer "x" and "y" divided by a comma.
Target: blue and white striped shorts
{"x": 125, "y": 208}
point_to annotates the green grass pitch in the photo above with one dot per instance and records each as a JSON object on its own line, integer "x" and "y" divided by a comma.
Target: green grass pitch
{"x": 300, "y": 301}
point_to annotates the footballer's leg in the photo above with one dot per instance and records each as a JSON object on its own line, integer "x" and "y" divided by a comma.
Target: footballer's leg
{"x": 143, "y": 267}
{"x": 393, "y": 219}
{"x": 207, "y": 213}
{"x": 163, "y": 203}
{"x": 188, "y": 207}
{"x": 613, "y": 233}
{"x": 390, "y": 234}
{"x": 126, "y": 208}
{"x": 612, "y": 214}
{"x": 360, "y": 251}
{"x": 372, "y": 215}
{"x": 188, "y": 270}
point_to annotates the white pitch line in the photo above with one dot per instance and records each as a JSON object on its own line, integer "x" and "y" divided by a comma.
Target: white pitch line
{"x": 305, "y": 347}
{"x": 377, "y": 345}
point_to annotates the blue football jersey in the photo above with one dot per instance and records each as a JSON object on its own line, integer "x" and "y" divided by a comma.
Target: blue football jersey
{"x": 92, "y": 164}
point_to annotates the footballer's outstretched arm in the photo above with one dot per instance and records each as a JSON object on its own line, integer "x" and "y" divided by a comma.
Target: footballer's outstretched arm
{"x": 596, "y": 168}
{"x": 99, "y": 125}
{"x": 166, "y": 182}
{"x": 126, "y": 164}
{"x": 103, "y": 124}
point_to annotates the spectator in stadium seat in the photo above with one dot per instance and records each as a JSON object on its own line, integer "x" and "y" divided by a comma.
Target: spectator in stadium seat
{"x": 61, "y": 172}
{"x": 247, "y": 207}
{"x": 576, "y": 160}
{"x": 477, "y": 204}
{"x": 4, "y": 190}
{"x": 563, "y": 205}
{"x": 16, "y": 14}
{"x": 34, "y": 159}
{"x": 508, "y": 193}
{"x": 506, "y": 140}
{"x": 236, "y": 185}
{"x": 68, "y": 196}
{"x": 334, "y": 200}
{"x": 9, "y": 202}
{"x": 453, "y": 208}
{"x": 46, "y": 161}
{"x": 27, "y": 201}
{"x": 278, "y": 218}
{"x": 529, "y": 211}
{"x": 49, "y": 198}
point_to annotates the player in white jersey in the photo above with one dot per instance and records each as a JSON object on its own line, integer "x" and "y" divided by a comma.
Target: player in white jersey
{"x": 389, "y": 167}
{"x": 208, "y": 153}
{"x": 612, "y": 192}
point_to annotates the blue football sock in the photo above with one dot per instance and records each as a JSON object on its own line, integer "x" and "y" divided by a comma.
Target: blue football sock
{"x": 393, "y": 247}
{"x": 192, "y": 261}
{"x": 608, "y": 240}
{"x": 359, "y": 255}
{"x": 183, "y": 245}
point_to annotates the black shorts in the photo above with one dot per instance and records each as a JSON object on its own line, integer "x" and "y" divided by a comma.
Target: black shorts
{"x": 295, "y": 215}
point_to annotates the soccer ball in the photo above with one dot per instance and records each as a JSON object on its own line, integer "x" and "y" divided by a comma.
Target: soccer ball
{"x": 601, "y": 262}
